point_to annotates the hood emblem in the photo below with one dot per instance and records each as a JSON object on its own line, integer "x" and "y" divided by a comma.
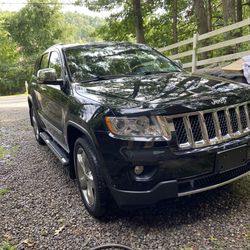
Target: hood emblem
{"x": 222, "y": 100}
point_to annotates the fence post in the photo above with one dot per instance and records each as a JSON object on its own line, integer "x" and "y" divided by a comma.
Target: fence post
{"x": 194, "y": 55}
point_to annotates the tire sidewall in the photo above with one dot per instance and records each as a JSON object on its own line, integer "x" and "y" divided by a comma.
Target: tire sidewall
{"x": 98, "y": 208}
{"x": 38, "y": 137}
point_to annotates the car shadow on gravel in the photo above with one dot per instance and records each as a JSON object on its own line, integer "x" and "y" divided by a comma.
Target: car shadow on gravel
{"x": 219, "y": 202}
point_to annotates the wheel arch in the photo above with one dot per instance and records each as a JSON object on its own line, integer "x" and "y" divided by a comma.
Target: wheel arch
{"x": 74, "y": 131}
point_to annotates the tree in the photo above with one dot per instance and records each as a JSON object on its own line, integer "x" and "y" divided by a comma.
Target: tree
{"x": 36, "y": 26}
{"x": 138, "y": 21}
{"x": 239, "y": 12}
{"x": 201, "y": 16}
{"x": 126, "y": 11}
{"x": 10, "y": 73}
{"x": 174, "y": 9}
{"x": 33, "y": 29}
{"x": 8, "y": 48}
{"x": 82, "y": 27}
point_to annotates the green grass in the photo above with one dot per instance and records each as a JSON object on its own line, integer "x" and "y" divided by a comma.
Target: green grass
{"x": 3, "y": 191}
{"x": 3, "y": 152}
{"x": 6, "y": 246}
{"x": 12, "y": 151}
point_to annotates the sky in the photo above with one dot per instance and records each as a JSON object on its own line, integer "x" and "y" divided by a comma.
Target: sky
{"x": 15, "y": 5}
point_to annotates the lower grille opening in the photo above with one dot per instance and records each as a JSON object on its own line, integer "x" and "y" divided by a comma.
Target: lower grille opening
{"x": 212, "y": 180}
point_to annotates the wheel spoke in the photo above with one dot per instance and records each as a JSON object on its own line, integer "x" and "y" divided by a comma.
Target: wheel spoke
{"x": 81, "y": 174}
{"x": 90, "y": 191}
{"x": 85, "y": 177}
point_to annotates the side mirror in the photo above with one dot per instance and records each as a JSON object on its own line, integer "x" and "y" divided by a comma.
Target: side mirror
{"x": 48, "y": 76}
{"x": 178, "y": 63}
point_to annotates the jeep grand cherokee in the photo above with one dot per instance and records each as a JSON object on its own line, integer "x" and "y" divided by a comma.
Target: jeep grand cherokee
{"x": 131, "y": 123}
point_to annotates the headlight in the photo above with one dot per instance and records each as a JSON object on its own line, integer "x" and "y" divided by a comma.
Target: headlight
{"x": 134, "y": 126}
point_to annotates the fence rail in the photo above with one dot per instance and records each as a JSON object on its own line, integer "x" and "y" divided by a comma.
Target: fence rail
{"x": 198, "y": 49}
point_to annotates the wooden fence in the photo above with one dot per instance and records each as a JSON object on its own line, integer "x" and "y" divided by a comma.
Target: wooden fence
{"x": 198, "y": 49}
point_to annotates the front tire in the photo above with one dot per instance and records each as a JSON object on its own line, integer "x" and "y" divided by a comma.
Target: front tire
{"x": 90, "y": 180}
{"x": 36, "y": 127}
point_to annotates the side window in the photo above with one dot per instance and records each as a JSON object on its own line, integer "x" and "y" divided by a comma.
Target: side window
{"x": 55, "y": 63}
{"x": 44, "y": 61}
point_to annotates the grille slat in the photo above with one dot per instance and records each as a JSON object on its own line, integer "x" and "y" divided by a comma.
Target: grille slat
{"x": 216, "y": 125}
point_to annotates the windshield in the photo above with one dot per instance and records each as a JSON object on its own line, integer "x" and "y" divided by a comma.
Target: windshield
{"x": 97, "y": 62}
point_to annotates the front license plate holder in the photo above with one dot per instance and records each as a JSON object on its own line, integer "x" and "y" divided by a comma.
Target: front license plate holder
{"x": 231, "y": 158}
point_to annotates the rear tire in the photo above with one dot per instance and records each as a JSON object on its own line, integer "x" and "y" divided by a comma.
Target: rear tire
{"x": 36, "y": 127}
{"x": 90, "y": 180}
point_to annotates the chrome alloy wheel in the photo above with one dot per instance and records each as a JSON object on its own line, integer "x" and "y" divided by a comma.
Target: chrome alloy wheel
{"x": 86, "y": 181}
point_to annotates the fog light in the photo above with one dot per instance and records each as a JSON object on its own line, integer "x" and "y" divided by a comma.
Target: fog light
{"x": 139, "y": 170}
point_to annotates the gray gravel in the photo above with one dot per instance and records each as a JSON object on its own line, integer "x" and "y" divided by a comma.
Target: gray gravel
{"x": 41, "y": 199}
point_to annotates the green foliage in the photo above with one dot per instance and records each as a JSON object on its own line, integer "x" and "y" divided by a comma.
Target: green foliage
{"x": 157, "y": 21}
{"x": 6, "y": 246}
{"x": 82, "y": 27}
{"x": 8, "y": 53}
{"x": 36, "y": 26}
{"x": 3, "y": 191}
{"x": 25, "y": 34}
{"x": 9, "y": 58}
{"x": 98, "y": 5}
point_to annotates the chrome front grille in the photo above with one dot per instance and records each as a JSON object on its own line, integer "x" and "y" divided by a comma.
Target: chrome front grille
{"x": 210, "y": 127}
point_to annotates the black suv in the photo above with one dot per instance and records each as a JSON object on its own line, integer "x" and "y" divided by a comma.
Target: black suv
{"x": 131, "y": 123}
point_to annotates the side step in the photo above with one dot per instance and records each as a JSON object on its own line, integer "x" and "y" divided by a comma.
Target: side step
{"x": 60, "y": 154}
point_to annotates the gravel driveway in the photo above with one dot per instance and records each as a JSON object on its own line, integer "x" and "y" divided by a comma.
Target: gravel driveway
{"x": 40, "y": 207}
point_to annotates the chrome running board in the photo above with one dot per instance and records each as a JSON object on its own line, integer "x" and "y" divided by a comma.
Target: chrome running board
{"x": 59, "y": 152}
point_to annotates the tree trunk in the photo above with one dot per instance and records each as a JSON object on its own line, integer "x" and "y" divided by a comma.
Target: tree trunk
{"x": 201, "y": 16}
{"x": 228, "y": 11}
{"x": 239, "y": 11}
{"x": 239, "y": 15}
{"x": 229, "y": 17}
{"x": 202, "y": 21}
{"x": 139, "y": 29}
{"x": 209, "y": 15}
{"x": 174, "y": 24}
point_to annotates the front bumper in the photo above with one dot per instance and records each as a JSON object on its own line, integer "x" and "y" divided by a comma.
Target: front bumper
{"x": 170, "y": 172}
{"x": 172, "y": 189}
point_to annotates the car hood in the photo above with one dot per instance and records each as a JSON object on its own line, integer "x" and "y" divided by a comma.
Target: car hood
{"x": 170, "y": 93}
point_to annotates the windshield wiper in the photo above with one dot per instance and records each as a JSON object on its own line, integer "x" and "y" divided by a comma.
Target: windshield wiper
{"x": 107, "y": 77}
{"x": 95, "y": 79}
{"x": 156, "y": 72}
